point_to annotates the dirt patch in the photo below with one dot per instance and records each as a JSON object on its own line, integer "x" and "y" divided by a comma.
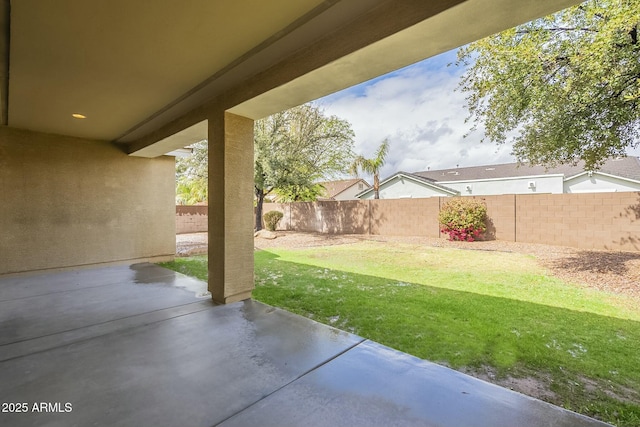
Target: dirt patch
{"x": 538, "y": 386}
{"x": 192, "y": 244}
{"x": 619, "y": 393}
{"x": 616, "y": 272}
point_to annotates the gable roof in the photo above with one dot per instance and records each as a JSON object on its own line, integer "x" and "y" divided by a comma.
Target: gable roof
{"x": 626, "y": 167}
{"x": 412, "y": 176}
{"x": 336, "y": 187}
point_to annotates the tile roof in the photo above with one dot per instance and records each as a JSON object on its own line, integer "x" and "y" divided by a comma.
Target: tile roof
{"x": 627, "y": 167}
{"x": 336, "y": 187}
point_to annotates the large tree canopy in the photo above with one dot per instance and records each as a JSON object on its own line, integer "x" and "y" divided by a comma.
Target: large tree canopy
{"x": 562, "y": 88}
{"x": 295, "y": 149}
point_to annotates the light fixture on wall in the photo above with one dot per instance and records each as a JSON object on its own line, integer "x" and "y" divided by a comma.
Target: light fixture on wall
{"x": 532, "y": 185}
{"x": 78, "y": 116}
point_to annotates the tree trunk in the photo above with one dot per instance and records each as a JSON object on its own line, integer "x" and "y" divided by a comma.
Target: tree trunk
{"x": 376, "y": 186}
{"x": 260, "y": 197}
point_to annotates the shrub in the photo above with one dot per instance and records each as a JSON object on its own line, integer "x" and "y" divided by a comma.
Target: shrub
{"x": 463, "y": 219}
{"x": 271, "y": 219}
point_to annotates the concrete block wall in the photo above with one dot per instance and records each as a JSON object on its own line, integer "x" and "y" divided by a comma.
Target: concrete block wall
{"x": 192, "y": 219}
{"x": 608, "y": 221}
{"x": 405, "y": 217}
{"x": 501, "y": 211}
{"x": 332, "y": 217}
{"x": 587, "y": 221}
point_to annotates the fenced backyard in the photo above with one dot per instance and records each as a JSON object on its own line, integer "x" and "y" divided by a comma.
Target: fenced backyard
{"x": 496, "y": 310}
{"x": 607, "y": 221}
{"x": 548, "y": 305}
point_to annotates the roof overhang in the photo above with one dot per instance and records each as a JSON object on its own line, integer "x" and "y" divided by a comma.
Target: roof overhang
{"x": 599, "y": 173}
{"x": 141, "y": 73}
{"x": 506, "y": 178}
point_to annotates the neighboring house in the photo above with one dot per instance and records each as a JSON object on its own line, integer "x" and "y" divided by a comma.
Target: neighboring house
{"x": 404, "y": 185}
{"x": 621, "y": 174}
{"x": 345, "y": 189}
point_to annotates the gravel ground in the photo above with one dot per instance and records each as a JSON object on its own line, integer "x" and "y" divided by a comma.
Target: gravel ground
{"x": 615, "y": 272}
{"x": 191, "y": 244}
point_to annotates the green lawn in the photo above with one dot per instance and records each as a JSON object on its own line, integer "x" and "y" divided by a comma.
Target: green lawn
{"x": 473, "y": 310}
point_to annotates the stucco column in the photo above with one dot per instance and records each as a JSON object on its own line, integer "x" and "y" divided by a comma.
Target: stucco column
{"x": 230, "y": 207}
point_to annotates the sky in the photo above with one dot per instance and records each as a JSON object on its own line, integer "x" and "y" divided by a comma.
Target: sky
{"x": 423, "y": 116}
{"x": 421, "y": 113}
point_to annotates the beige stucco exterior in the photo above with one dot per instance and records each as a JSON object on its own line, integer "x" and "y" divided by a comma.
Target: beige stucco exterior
{"x": 70, "y": 202}
{"x": 231, "y": 218}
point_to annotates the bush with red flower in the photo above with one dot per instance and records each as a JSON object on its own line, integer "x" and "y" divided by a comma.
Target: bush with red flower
{"x": 463, "y": 219}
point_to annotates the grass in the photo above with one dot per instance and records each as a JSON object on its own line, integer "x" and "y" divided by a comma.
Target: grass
{"x": 471, "y": 310}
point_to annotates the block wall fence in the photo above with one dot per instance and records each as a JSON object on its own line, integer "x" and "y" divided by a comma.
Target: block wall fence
{"x": 608, "y": 221}
{"x": 191, "y": 219}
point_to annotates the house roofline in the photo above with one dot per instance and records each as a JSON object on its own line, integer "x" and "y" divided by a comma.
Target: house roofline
{"x": 635, "y": 181}
{"x": 359, "y": 180}
{"x": 416, "y": 178}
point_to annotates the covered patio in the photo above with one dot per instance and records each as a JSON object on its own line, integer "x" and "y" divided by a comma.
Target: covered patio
{"x": 141, "y": 345}
{"x": 93, "y": 96}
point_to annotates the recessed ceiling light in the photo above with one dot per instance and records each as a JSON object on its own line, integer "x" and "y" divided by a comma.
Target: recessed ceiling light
{"x": 78, "y": 116}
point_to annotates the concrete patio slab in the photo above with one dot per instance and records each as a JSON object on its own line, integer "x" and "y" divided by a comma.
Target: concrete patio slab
{"x": 139, "y": 346}
{"x": 373, "y": 385}
{"x": 74, "y": 300}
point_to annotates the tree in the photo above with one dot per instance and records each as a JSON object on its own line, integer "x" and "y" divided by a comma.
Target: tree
{"x": 372, "y": 166}
{"x": 562, "y": 88}
{"x": 296, "y": 148}
{"x": 296, "y": 193}
{"x": 192, "y": 175}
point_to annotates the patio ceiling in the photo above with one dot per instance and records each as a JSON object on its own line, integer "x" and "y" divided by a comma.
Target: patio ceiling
{"x": 141, "y": 73}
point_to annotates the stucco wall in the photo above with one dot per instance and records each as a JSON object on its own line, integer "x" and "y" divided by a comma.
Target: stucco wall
{"x": 599, "y": 183}
{"x": 69, "y": 202}
{"x": 543, "y": 184}
{"x": 401, "y": 188}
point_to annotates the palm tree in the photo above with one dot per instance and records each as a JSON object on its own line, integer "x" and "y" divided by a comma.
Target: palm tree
{"x": 372, "y": 166}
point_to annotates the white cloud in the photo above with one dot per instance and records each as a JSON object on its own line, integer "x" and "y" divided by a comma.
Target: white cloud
{"x": 421, "y": 114}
